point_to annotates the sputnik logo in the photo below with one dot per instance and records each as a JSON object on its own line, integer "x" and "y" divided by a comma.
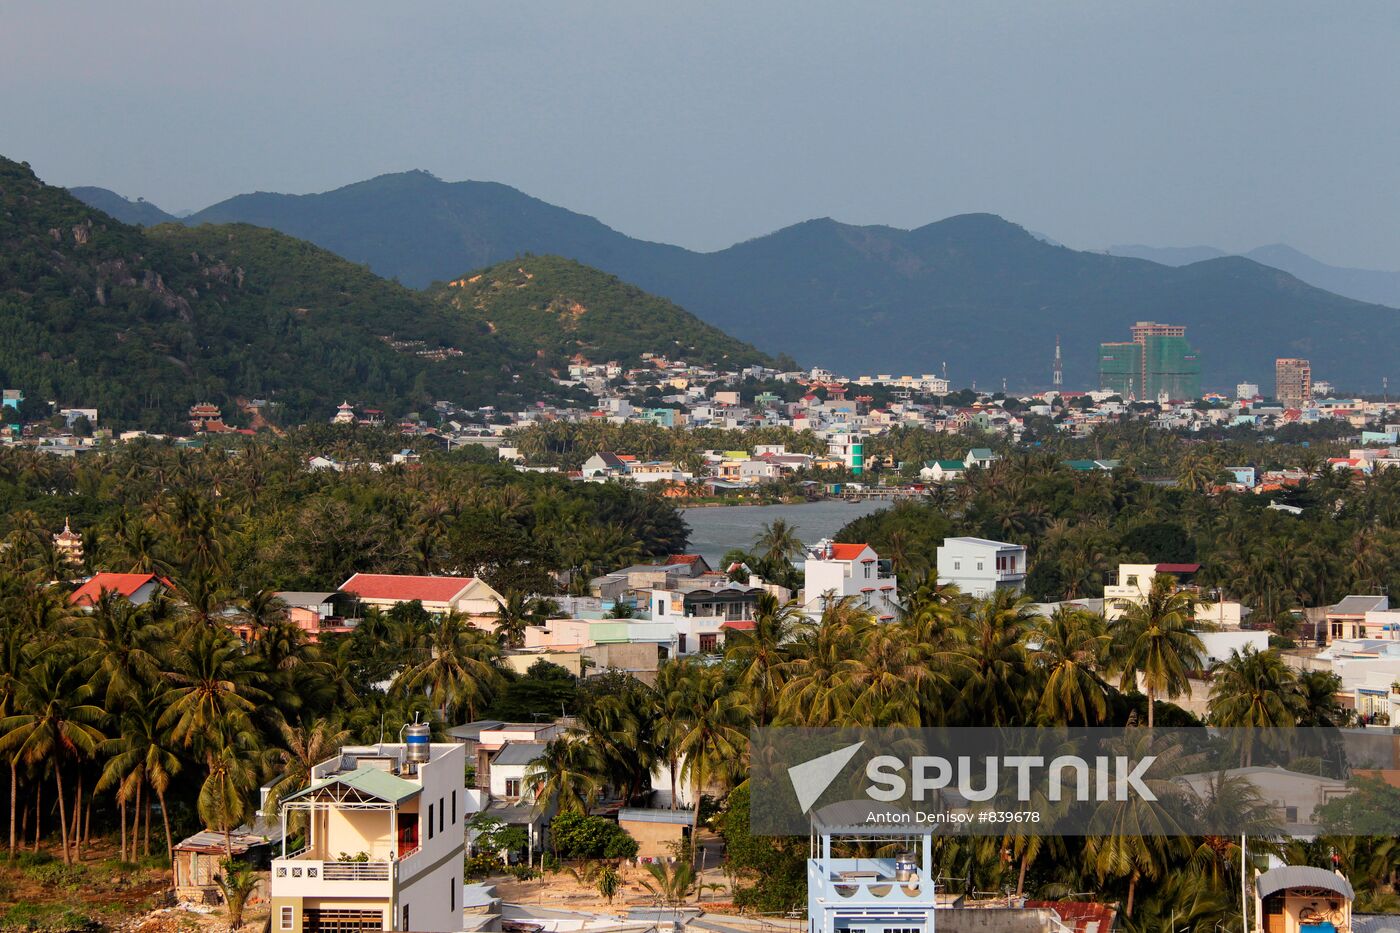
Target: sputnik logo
{"x": 811, "y": 778}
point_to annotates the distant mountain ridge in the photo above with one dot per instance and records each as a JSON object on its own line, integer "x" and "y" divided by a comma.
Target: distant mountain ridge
{"x": 138, "y": 213}
{"x": 975, "y": 291}
{"x": 1376, "y": 286}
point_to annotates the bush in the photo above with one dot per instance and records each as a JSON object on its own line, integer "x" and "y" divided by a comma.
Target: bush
{"x": 55, "y": 874}
{"x": 579, "y": 836}
{"x": 479, "y": 866}
{"x": 522, "y": 872}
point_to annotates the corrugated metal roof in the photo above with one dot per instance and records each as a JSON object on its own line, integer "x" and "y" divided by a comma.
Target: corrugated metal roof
{"x": 1303, "y": 876}
{"x": 1356, "y": 605}
{"x": 518, "y": 753}
{"x": 301, "y": 598}
{"x": 650, "y": 815}
{"x": 370, "y": 781}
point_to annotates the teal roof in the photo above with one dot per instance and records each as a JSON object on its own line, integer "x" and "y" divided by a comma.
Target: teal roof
{"x": 369, "y": 781}
{"x": 980, "y": 453}
{"x": 948, "y": 464}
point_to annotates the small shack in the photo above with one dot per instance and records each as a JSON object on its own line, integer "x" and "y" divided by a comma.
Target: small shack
{"x": 657, "y": 831}
{"x": 1302, "y": 899}
{"x": 198, "y": 858}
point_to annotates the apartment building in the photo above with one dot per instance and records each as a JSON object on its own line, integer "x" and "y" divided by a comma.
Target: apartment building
{"x": 979, "y": 567}
{"x": 383, "y": 841}
{"x": 1292, "y": 382}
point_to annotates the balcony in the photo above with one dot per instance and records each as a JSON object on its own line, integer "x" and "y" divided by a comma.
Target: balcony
{"x": 865, "y": 882}
{"x": 309, "y": 877}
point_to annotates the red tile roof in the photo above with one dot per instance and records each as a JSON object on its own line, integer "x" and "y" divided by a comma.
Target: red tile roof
{"x": 123, "y": 584}
{"x": 846, "y": 551}
{"x": 405, "y": 588}
{"x": 681, "y": 559}
{"x": 1178, "y": 568}
{"x": 741, "y": 625}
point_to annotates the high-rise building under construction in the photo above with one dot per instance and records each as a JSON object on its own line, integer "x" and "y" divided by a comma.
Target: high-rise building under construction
{"x": 1156, "y": 363}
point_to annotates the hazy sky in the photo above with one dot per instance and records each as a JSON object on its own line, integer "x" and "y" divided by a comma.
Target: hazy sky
{"x": 1169, "y": 123}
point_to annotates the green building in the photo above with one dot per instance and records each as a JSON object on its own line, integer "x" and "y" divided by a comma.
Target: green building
{"x": 1156, "y": 362}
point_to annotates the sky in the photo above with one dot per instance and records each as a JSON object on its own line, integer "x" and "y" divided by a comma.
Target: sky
{"x": 1183, "y": 123}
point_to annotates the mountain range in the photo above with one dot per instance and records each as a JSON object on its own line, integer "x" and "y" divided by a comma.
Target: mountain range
{"x": 1371, "y": 285}
{"x": 142, "y": 323}
{"x": 975, "y": 291}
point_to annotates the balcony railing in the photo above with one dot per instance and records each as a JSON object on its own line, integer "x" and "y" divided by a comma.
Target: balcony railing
{"x": 355, "y": 871}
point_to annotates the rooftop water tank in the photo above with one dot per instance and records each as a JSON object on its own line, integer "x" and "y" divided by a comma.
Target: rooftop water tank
{"x": 418, "y": 736}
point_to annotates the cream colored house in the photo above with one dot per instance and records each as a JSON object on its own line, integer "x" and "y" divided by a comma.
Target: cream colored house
{"x": 438, "y": 595}
{"x": 383, "y": 843}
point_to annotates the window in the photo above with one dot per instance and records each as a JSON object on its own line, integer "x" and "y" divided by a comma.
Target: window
{"x": 661, "y": 607}
{"x": 979, "y": 565}
{"x": 430, "y": 821}
{"x": 286, "y": 923}
{"x": 1290, "y": 814}
{"x": 451, "y": 893}
{"x": 680, "y": 643}
{"x": 957, "y": 565}
{"x": 405, "y": 918}
{"x": 709, "y": 641}
{"x": 867, "y": 571}
{"x": 442, "y": 811}
{"x": 512, "y": 787}
{"x": 454, "y": 807}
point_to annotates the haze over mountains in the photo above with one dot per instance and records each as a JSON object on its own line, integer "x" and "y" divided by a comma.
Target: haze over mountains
{"x": 1372, "y": 285}
{"x": 974, "y": 291}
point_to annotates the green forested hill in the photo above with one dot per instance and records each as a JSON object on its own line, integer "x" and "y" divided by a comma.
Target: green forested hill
{"x": 143, "y": 323}
{"x": 553, "y": 308}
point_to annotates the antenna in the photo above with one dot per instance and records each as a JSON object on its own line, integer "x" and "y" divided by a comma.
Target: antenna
{"x": 1059, "y": 371}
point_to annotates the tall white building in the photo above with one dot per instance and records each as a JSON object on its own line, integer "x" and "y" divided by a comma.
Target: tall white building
{"x": 980, "y": 567}
{"x": 385, "y": 827}
{"x": 834, "y": 571}
{"x": 870, "y": 895}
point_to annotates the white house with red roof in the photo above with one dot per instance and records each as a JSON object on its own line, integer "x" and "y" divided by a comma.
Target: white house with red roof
{"x": 468, "y": 595}
{"x": 835, "y": 571}
{"x": 137, "y": 588}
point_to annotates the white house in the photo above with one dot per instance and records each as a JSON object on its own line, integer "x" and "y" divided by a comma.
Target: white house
{"x": 386, "y": 829}
{"x": 870, "y": 895}
{"x": 942, "y": 471}
{"x": 834, "y": 571}
{"x": 980, "y": 567}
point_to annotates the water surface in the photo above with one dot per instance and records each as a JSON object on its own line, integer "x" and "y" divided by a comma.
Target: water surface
{"x": 716, "y": 530}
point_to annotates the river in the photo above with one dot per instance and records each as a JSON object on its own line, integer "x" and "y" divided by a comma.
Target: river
{"x": 716, "y": 530}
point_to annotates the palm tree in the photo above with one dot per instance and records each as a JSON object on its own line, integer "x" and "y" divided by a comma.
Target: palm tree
{"x": 993, "y": 660}
{"x": 671, "y": 883}
{"x": 1154, "y": 639}
{"x": 52, "y": 722}
{"x": 237, "y": 883}
{"x": 1254, "y": 690}
{"x": 1069, "y": 649}
{"x": 757, "y": 654}
{"x": 513, "y": 615}
{"x": 777, "y": 542}
{"x": 215, "y": 690}
{"x": 718, "y": 718}
{"x": 143, "y": 753}
{"x": 462, "y": 673}
{"x": 120, "y": 643}
{"x": 566, "y": 775}
{"x": 301, "y": 749}
{"x": 223, "y": 798}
